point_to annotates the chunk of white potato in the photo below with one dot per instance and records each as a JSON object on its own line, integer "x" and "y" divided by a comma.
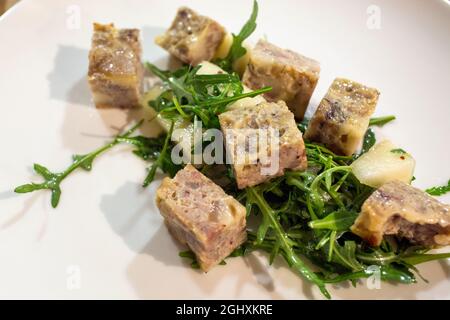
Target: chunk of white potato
{"x": 384, "y": 162}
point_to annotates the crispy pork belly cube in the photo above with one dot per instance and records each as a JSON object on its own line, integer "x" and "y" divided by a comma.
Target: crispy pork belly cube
{"x": 201, "y": 215}
{"x": 115, "y": 69}
{"x": 293, "y": 77}
{"x": 192, "y": 38}
{"x": 342, "y": 117}
{"x": 270, "y": 158}
{"x": 396, "y": 208}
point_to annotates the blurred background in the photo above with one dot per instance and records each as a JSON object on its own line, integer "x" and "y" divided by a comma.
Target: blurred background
{"x": 6, "y": 4}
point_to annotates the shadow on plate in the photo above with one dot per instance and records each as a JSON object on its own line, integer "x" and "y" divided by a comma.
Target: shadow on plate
{"x": 67, "y": 80}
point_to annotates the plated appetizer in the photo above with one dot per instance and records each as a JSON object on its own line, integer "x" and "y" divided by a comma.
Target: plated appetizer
{"x": 323, "y": 190}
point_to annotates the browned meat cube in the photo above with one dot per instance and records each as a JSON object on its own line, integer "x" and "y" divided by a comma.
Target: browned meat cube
{"x": 192, "y": 38}
{"x": 242, "y": 124}
{"x": 293, "y": 77}
{"x": 200, "y": 214}
{"x": 396, "y": 208}
{"x": 115, "y": 69}
{"x": 342, "y": 117}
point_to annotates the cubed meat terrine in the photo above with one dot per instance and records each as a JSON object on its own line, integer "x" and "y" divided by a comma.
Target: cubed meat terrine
{"x": 115, "y": 69}
{"x": 342, "y": 117}
{"x": 397, "y": 208}
{"x": 192, "y": 38}
{"x": 267, "y": 160}
{"x": 293, "y": 77}
{"x": 201, "y": 215}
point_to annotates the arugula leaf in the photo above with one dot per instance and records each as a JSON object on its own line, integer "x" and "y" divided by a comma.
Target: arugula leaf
{"x": 346, "y": 255}
{"x": 237, "y": 50}
{"x": 86, "y": 164}
{"x": 388, "y": 273}
{"x": 439, "y": 191}
{"x": 145, "y": 148}
{"x": 192, "y": 95}
{"x": 52, "y": 180}
{"x": 283, "y": 242}
{"x": 149, "y": 149}
{"x": 421, "y": 258}
{"x": 369, "y": 141}
{"x": 340, "y": 220}
{"x": 381, "y": 121}
{"x": 188, "y": 254}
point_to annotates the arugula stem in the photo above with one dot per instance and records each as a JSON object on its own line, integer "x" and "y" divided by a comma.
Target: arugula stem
{"x": 387, "y": 273}
{"x": 292, "y": 258}
{"x": 91, "y": 156}
{"x": 331, "y": 247}
{"x": 421, "y": 258}
{"x": 76, "y": 164}
{"x": 297, "y": 183}
{"x": 237, "y": 49}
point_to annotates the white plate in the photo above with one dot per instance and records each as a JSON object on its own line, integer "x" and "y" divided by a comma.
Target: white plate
{"x": 106, "y": 239}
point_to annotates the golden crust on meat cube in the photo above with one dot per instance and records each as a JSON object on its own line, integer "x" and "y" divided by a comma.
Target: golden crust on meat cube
{"x": 342, "y": 117}
{"x": 201, "y": 215}
{"x": 115, "y": 70}
{"x": 293, "y": 77}
{"x": 192, "y": 38}
{"x": 397, "y": 208}
{"x": 262, "y": 141}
